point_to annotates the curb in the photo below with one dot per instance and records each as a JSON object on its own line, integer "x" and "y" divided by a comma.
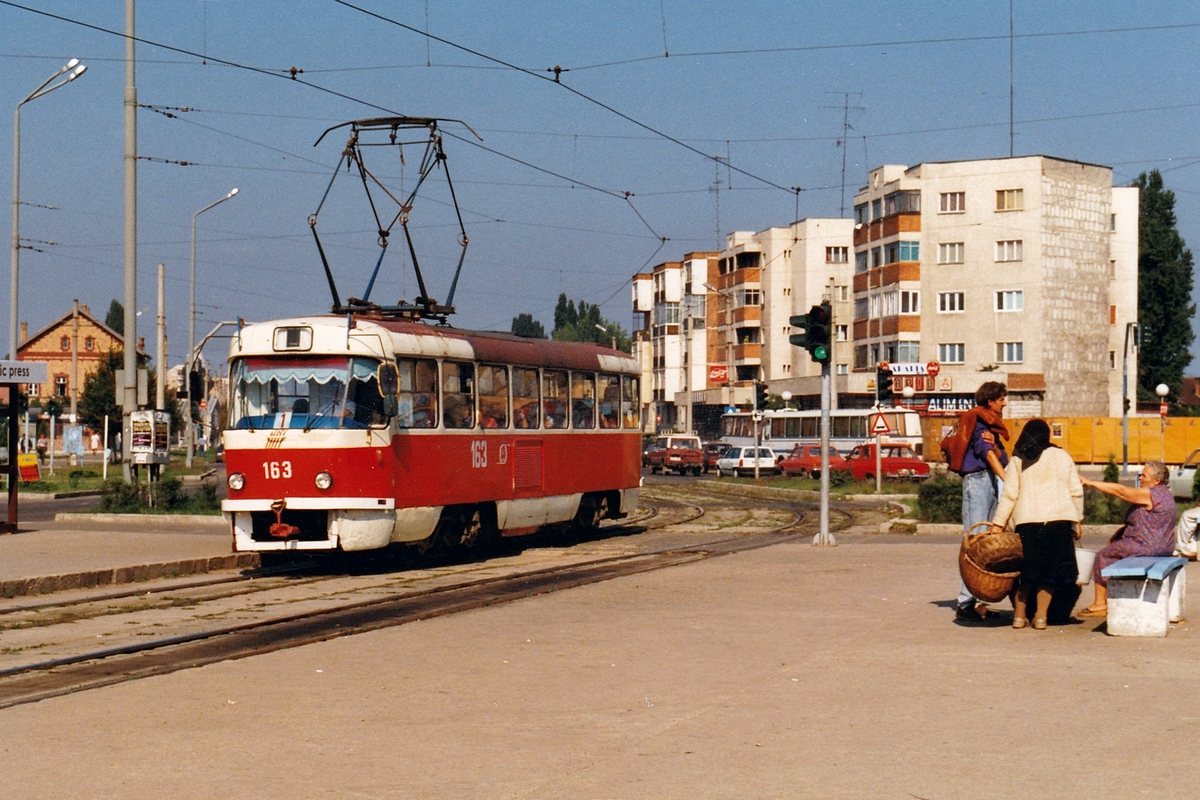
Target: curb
{"x": 118, "y": 575}
{"x": 205, "y": 520}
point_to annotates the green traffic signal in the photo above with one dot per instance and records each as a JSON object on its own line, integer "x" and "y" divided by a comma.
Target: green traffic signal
{"x": 815, "y": 325}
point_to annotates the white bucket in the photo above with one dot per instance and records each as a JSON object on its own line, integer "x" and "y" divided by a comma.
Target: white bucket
{"x": 1084, "y": 559}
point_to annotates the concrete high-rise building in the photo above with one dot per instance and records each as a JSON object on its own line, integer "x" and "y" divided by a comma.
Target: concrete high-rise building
{"x": 1021, "y": 270}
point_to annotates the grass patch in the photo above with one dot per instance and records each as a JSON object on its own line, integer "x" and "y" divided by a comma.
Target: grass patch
{"x": 840, "y": 483}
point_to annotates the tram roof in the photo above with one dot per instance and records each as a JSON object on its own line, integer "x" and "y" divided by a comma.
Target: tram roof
{"x": 494, "y": 346}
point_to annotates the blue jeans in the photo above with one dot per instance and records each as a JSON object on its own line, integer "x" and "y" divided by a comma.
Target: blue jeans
{"x": 981, "y": 493}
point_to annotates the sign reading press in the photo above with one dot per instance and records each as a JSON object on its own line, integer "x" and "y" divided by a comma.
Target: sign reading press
{"x": 22, "y": 372}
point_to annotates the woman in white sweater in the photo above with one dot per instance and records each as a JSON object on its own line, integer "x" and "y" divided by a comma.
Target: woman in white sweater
{"x": 1043, "y": 498}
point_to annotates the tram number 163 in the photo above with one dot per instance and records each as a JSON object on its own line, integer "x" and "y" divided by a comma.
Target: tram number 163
{"x": 479, "y": 454}
{"x": 274, "y": 470}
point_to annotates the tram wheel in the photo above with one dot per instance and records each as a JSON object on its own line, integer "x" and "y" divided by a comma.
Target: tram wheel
{"x": 592, "y": 509}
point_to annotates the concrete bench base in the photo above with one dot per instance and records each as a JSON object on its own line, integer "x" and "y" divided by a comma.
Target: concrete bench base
{"x": 1145, "y": 595}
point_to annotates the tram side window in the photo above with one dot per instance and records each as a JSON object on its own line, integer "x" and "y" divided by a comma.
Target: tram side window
{"x": 810, "y": 427}
{"x": 493, "y": 397}
{"x": 525, "y": 398}
{"x": 554, "y": 398}
{"x": 583, "y": 400}
{"x": 609, "y": 387}
{"x": 458, "y": 395}
{"x": 631, "y": 404}
{"x": 416, "y": 398}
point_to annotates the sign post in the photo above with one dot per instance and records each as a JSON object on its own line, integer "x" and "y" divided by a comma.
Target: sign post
{"x": 879, "y": 427}
{"x": 12, "y": 375}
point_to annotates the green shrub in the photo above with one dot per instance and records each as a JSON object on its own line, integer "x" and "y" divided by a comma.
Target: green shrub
{"x": 1103, "y": 509}
{"x": 1112, "y": 473}
{"x": 120, "y": 497}
{"x": 840, "y": 477}
{"x": 940, "y": 500}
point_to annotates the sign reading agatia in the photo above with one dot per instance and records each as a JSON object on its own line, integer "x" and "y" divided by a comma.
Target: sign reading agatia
{"x": 22, "y": 372}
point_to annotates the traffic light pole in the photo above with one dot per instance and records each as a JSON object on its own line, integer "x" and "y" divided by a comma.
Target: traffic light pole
{"x": 824, "y": 537}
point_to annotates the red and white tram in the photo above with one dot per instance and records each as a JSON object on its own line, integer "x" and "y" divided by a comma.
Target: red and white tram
{"x": 353, "y": 432}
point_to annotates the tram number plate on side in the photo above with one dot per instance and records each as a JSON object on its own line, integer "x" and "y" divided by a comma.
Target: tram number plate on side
{"x": 479, "y": 454}
{"x": 275, "y": 470}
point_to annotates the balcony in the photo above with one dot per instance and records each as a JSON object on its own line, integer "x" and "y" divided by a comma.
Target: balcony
{"x": 743, "y": 353}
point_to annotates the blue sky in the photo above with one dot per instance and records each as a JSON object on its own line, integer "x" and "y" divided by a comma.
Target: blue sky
{"x": 761, "y": 85}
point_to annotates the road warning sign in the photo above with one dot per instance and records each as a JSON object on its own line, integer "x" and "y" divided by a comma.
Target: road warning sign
{"x": 880, "y": 425}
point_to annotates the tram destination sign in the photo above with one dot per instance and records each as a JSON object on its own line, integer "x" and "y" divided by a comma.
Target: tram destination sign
{"x": 22, "y": 372}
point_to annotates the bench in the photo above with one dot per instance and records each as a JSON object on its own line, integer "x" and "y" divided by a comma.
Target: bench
{"x": 1145, "y": 595}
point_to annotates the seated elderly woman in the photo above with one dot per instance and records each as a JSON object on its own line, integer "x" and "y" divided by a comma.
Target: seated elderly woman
{"x": 1149, "y": 528}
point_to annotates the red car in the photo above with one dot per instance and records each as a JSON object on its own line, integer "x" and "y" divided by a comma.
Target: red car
{"x": 898, "y": 461}
{"x": 805, "y": 460}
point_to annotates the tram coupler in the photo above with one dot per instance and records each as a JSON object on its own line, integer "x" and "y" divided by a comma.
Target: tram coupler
{"x": 280, "y": 529}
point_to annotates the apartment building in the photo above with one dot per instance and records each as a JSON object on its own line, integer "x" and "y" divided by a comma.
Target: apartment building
{"x": 1021, "y": 270}
{"x": 670, "y": 338}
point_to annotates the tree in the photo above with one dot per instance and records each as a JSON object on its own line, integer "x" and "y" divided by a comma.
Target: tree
{"x": 1165, "y": 309}
{"x": 525, "y": 325}
{"x": 583, "y": 323}
{"x": 99, "y": 396}
{"x": 115, "y": 318}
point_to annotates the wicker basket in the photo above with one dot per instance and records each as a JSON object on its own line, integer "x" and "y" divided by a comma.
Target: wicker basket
{"x": 990, "y": 563}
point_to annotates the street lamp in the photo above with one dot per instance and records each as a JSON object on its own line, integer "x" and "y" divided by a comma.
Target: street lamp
{"x": 76, "y": 69}
{"x": 786, "y": 396}
{"x": 599, "y": 327}
{"x": 189, "y": 362}
{"x": 1162, "y": 390}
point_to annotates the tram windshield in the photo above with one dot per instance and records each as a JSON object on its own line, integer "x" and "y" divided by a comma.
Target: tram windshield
{"x": 305, "y": 392}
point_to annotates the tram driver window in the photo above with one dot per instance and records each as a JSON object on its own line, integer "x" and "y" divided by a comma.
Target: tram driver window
{"x": 364, "y": 400}
{"x": 416, "y": 397}
{"x": 610, "y": 401}
{"x": 458, "y": 395}
{"x": 525, "y": 398}
{"x": 630, "y": 402}
{"x": 493, "y": 397}
{"x": 554, "y": 398}
{"x": 583, "y": 400}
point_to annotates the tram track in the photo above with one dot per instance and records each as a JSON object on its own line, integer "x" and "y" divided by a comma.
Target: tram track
{"x": 451, "y": 594}
{"x": 52, "y": 678}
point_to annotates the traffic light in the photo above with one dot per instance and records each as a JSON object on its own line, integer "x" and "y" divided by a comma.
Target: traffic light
{"x": 816, "y": 325}
{"x": 196, "y": 385}
{"x": 760, "y": 396}
{"x": 883, "y": 386}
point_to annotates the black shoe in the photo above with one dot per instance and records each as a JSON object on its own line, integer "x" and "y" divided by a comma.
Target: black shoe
{"x": 969, "y": 614}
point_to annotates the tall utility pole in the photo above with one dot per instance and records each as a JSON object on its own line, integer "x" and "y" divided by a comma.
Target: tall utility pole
{"x": 74, "y": 360}
{"x": 160, "y": 352}
{"x": 129, "y": 390}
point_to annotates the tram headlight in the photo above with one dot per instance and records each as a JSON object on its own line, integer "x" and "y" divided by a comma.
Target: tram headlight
{"x": 237, "y": 481}
{"x": 324, "y": 480}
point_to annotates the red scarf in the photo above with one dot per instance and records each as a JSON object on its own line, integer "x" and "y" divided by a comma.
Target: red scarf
{"x": 954, "y": 446}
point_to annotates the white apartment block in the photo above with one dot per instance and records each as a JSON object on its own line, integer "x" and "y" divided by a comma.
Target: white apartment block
{"x": 670, "y": 341}
{"x": 1020, "y": 270}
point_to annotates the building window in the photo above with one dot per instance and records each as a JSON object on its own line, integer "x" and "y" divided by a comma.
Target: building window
{"x": 841, "y": 333}
{"x": 953, "y": 353}
{"x": 950, "y": 253}
{"x": 1010, "y": 301}
{"x": 951, "y": 302}
{"x": 876, "y": 256}
{"x": 860, "y": 356}
{"x": 860, "y": 308}
{"x": 843, "y": 369}
{"x": 876, "y": 209}
{"x": 747, "y": 297}
{"x": 1010, "y": 199}
{"x": 749, "y": 335}
{"x": 1112, "y": 315}
{"x": 666, "y": 314}
{"x": 903, "y": 251}
{"x": 953, "y": 202}
{"x": 1011, "y": 250}
{"x": 875, "y": 306}
{"x": 837, "y": 255}
{"x": 65, "y": 343}
{"x": 1010, "y": 352}
{"x": 60, "y": 385}
{"x": 860, "y": 261}
{"x": 1112, "y": 359}
{"x": 908, "y": 352}
{"x": 908, "y": 202}
{"x": 89, "y": 343}
{"x": 1112, "y": 222}
{"x": 860, "y": 215}
{"x": 910, "y": 302}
